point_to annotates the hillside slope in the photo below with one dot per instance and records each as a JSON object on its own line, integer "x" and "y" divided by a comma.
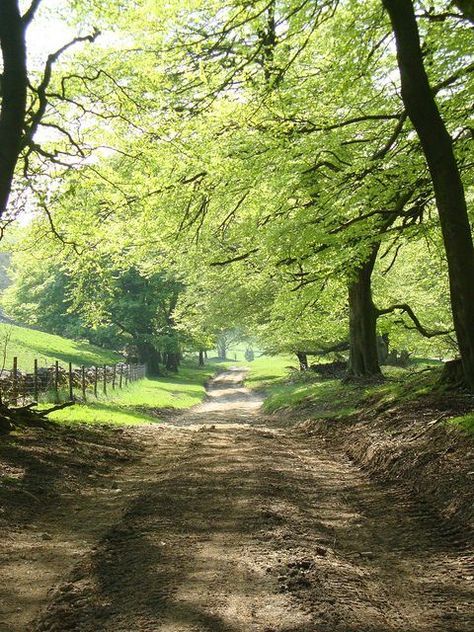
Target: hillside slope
{"x": 27, "y": 344}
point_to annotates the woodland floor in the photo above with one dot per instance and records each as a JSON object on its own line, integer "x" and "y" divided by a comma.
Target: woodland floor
{"x": 217, "y": 521}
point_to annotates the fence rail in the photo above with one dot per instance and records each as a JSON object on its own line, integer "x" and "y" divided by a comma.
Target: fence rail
{"x": 17, "y": 386}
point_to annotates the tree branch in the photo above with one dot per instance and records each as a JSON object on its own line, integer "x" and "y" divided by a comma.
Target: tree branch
{"x": 41, "y": 89}
{"x": 30, "y": 13}
{"x": 234, "y": 259}
{"x": 404, "y": 307}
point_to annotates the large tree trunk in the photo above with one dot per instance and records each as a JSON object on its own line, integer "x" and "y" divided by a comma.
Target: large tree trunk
{"x": 14, "y": 81}
{"x": 303, "y": 360}
{"x": 201, "y": 357}
{"x": 437, "y": 146}
{"x": 147, "y": 354}
{"x": 363, "y": 357}
{"x": 383, "y": 348}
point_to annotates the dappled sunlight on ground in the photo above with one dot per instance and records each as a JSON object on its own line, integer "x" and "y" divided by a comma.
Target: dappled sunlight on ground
{"x": 228, "y": 525}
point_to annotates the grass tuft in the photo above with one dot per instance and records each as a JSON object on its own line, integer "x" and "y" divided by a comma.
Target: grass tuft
{"x": 466, "y": 422}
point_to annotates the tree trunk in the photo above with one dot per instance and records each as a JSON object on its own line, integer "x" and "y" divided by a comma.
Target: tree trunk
{"x": 172, "y": 361}
{"x": 14, "y": 83}
{"x": 303, "y": 360}
{"x": 147, "y": 354}
{"x": 449, "y": 193}
{"x": 452, "y": 374}
{"x": 201, "y": 357}
{"x": 222, "y": 351}
{"x": 363, "y": 357}
{"x": 383, "y": 348}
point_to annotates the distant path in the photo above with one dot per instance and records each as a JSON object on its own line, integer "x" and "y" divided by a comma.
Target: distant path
{"x": 233, "y": 527}
{"x": 228, "y": 401}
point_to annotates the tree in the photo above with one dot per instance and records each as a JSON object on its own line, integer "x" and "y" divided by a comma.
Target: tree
{"x": 140, "y": 306}
{"x": 24, "y": 105}
{"x": 39, "y": 295}
{"x": 448, "y": 187}
{"x": 263, "y": 166}
{"x": 14, "y": 85}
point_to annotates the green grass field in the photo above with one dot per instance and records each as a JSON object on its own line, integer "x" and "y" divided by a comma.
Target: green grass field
{"x": 266, "y": 370}
{"x": 141, "y": 401}
{"x": 28, "y": 344}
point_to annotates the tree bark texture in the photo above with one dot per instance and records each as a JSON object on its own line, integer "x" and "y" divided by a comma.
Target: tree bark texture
{"x": 147, "y": 354}
{"x": 172, "y": 361}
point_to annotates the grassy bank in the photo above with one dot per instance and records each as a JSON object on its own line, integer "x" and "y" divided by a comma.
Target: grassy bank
{"x": 333, "y": 399}
{"x": 464, "y": 422}
{"x": 27, "y": 344}
{"x": 142, "y": 401}
{"x": 265, "y": 371}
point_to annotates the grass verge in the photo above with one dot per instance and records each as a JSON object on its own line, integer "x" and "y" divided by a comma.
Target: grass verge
{"x": 267, "y": 370}
{"x": 333, "y": 399}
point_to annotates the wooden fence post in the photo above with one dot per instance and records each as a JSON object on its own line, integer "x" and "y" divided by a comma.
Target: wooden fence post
{"x": 15, "y": 381}
{"x": 83, "y": 382}
{"x": 114, "y": 376}
{"x": 56, "y": 380}
{"x": 71, "y": 383}
{"x": 95, "y": 380}
{"x": 35, "y": 380}
{"x": 105, "y": 379}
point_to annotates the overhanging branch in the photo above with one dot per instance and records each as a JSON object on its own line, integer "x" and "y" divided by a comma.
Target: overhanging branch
{"x": 405, "y": 308}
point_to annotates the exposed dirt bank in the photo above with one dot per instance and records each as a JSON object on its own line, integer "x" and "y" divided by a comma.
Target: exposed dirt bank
{"x": 410, "y": 445}
{"x": 221, "y": 522}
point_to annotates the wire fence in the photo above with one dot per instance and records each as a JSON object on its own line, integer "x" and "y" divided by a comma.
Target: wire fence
{"x": 65, "y": 382}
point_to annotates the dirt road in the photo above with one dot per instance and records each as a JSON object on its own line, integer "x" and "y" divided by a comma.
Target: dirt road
{"x": 229, "y": 525}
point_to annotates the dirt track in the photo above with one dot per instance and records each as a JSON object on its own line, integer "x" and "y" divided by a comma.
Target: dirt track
{"x": 228, "y": 525}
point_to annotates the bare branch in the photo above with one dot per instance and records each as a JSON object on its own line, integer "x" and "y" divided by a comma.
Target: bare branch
{"x": 30, "y": 13}
{"x": 41, "y": 89}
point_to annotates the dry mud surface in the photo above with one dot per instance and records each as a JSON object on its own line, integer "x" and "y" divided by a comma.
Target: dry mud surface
{"x": 220, "y": 522}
